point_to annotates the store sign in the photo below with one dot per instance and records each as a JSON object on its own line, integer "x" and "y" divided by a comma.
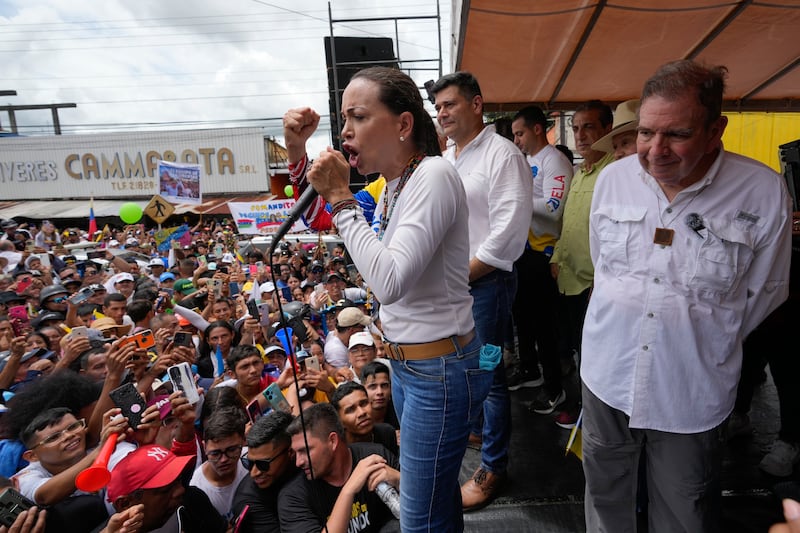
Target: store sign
{"x": 122, "y": 165}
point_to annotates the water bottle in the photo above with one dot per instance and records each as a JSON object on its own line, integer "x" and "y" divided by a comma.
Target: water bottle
{"x": 390, "y": 497}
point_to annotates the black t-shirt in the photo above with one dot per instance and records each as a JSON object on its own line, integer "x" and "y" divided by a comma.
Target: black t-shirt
{"x": 306, "y": 505}
{"x": 384, "y": 434}
{"x": 262, "y": 514}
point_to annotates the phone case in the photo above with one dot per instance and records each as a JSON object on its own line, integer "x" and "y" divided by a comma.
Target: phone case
{"x": 183, "y": 338}
{"x": 127, "y": 398}
{"x": 252, "y": 308}
{"x": 312, "y": 362}
{"x": 276, "y": 398}
{"x": 183, "y": 380}
{"x": 254, "y": 411}
{"x": 12, "y": 503}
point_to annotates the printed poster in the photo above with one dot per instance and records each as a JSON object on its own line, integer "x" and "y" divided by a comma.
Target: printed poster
{"x": 179, "y": 183}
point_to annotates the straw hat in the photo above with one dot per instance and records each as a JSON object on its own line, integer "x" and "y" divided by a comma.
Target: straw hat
{"x": 625, "y": 119}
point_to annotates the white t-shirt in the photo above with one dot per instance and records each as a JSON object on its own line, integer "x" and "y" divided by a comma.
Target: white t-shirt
{"x": 221, "y": 497}
{"x": 336, "y": 353}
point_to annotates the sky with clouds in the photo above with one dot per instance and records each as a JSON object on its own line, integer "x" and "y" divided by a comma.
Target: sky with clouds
{"x": 155, "y": 64}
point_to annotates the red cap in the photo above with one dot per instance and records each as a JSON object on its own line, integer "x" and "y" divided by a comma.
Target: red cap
{"x": 148, "y": 467}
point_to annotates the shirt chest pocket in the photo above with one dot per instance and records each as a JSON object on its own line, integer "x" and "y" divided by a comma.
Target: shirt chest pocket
{"x": 725, "y": 254}
{"x": 617, "y": 227}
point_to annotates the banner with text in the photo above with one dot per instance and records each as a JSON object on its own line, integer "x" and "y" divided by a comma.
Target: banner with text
{"x": 263, "y": 218}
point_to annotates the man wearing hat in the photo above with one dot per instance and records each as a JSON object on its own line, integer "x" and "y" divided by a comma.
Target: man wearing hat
{"x": 53, "y": 298}
{"x": 349, "y": 321}
{"x": 123, "y": 283}
{"x": 621, "y": 140}
{"x": 183, "y": 287}
{"x": 537, "y": 293}
{"x": 336, "y": 289}
{"x": 147, "y": 488}
{"x": 9, "y": 227}
{"x": 109, "y": 327}
{"x": 361, "y": 351}
{"x": 156, "y": 265}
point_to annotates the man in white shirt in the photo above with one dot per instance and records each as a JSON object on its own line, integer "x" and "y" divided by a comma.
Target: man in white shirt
{"x": 223, "y": 441}
{"x": 499, "y": 190}
{"x": 691, "y": 248}
{"x": 349, "y": 320}
{"x": 537, "y": 293}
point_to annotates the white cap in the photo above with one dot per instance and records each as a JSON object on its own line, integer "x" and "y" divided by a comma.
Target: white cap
{"x": 131, "y": 242}
{"x": 124, "y": 276}
{"x": 267, "y": 287}
{"x": 227, "y": 257}
{"x": 156, "y": 262}
{"x": 362, "y": 338}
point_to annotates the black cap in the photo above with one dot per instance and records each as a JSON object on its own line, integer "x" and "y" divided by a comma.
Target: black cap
{"x": 10, "y": 296}
{"x": 333, "y": 274}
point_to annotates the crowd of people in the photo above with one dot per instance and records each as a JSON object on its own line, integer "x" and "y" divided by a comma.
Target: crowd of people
{"x": 340, "y": 388}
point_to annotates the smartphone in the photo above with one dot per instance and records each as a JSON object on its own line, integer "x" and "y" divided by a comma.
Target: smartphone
{"x": 312, "y": 362}
{"x": 352, "y": 272}
{"x": 23, "y": 283}
{"x": 276, "y": 398}
{"x": 201, "y": 259}
{"x": 216, "y": 286}
{"x": 233, "y": 289}
{"x": 143, "y": 340}
{"x": 223, "y": 269}
{"x": 18, "y": 316}
{"x": 263, "y": 309}
{"x": 253, "y": 270}
{"x": 127, "y": 398}
{"x": 183, "y": 338}
{"x": 182, "y": 379}
{"x": 97, "y": 254}
{"x": 286, "y": 292}
{"x": 81, "y": 296}
{"x": 237, "y": 525}
{"x": 252, "y": 308}
{"x": 254, "y": 411}
{"x": 171, "y": 292}
{"x": 12, "y": 503}
{"x": 79, "y": 331}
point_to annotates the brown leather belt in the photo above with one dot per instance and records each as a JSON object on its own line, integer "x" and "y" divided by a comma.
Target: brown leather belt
{"x": 426, "y": 350}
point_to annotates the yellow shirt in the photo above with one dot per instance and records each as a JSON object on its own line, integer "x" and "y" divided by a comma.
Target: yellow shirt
{"x": 571, "y": 253}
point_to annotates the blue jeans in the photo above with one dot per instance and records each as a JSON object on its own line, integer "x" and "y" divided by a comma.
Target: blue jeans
{"x": 493, "y": 296}
{"x": 435, "y": 399}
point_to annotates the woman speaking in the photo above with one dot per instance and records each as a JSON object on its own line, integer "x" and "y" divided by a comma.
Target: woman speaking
{"x": 417, "y": 267}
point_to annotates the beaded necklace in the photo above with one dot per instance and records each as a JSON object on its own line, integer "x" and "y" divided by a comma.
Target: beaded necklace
{"x": 388, "y": 210}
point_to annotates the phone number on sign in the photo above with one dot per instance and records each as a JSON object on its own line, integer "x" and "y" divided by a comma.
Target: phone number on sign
{"x": 133, "y": 185}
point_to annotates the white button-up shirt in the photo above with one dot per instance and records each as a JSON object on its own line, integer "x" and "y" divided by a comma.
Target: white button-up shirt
{"x": 662, "y": 340}
{"x": 497, "y": 180}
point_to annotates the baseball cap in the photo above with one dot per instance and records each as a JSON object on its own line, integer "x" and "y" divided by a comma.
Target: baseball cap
{"x": 131, "y": 241}
{"x": 124, "y": 276}
{"x": 156, "y": 262}
{"x": 362, "y": 338}
{"x": 165, "y": 276}
{"x": 331, "y": 275}
{"x": 352, "y": 316}
{"x": 183, "y": 286}
{"x": 267, "y": 287}
{"x": 148, "y": 467}
{"x": 10, "y": 296}
{"x": 227, "y": 257}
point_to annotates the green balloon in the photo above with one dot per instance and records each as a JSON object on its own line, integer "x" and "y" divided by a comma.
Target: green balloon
{"x": 130, "y": 213}
{"x": 288, "y": 191}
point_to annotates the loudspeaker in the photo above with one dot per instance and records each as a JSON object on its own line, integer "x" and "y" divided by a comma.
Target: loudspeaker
{"x": 353, "y": 54}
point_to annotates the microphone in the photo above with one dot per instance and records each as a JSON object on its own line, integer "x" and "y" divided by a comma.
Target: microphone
{"x": 300, "y": 207}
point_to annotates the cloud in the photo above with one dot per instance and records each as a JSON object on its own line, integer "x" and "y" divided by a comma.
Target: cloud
{"x": 201, "y": 63}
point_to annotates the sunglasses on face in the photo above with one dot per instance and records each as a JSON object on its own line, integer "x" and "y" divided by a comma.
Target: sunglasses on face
{"x": 59, "y": 300}
{"x": 261, "y": 464}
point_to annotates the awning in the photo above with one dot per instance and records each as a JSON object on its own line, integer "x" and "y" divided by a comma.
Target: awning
{"x": 58, "y": 209}
{"x": 557, "y": 53}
